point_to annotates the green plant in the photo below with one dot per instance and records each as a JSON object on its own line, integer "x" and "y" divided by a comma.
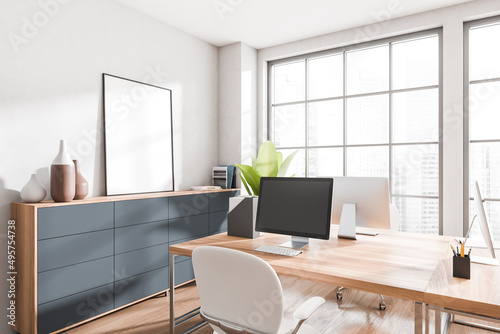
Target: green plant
{"x": 269, "y": 162}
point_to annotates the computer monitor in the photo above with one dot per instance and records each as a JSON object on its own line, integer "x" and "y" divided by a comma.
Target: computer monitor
{"x": 360, "y": 202}
{"x": 485, "y": 230}
{"x": 295, "y": 206}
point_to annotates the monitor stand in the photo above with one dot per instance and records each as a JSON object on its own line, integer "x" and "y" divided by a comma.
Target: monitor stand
{"x": 347, "y": 225}
{"x": 296, "y": 243}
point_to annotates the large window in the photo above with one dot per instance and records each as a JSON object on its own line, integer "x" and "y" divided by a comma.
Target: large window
{"x": 482, "y": 102}
{"x": 372, "y": 109}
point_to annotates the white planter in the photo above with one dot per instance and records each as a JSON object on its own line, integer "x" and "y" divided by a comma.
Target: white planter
{"x": 33, "y": 191}
{"x": 242, "y": 216}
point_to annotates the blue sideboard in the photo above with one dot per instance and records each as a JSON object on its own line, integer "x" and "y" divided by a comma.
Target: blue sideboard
{"x": 81, "y": 259}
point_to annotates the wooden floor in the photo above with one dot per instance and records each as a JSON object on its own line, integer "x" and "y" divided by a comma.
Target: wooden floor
{"x": 357, "y": 313}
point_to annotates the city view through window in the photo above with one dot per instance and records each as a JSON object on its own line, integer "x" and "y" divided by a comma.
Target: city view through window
{"x": 366, "y": 110}
{"x": 483, "y": 80}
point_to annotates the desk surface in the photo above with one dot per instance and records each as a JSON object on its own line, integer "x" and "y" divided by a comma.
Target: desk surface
{"x": 393, "y": 264}
{"x": 479, "y": 295}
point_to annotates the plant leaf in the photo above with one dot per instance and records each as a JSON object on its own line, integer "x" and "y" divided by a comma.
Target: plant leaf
{"x": 280, "y": 159}
{"x": 254, "y": 161}
{"x": 252, "y": 177}
{"x": 245, "y": 184}
{"x": 284, "y": 166}
{"x": 267, "y": 160}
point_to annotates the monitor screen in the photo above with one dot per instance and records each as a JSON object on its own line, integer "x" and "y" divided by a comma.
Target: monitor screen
{"x": 295, "y": 206}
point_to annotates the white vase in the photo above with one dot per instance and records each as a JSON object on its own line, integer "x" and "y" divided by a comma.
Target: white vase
{"x": 33, "y": 191}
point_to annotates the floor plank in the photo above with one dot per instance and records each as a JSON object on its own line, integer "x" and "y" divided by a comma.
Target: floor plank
{"x": 357, "y": 313}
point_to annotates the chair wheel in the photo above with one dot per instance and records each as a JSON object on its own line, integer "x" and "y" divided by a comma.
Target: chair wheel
{"x": 339, "y": 295}
{"x": 381, "y": 306}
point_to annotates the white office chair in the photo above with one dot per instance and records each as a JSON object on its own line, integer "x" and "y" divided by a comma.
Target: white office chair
{"x": 394, "y": 217}
{"x": 241, "y": 293}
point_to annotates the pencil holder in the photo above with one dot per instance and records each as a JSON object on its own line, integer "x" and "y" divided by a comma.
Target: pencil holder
{"x": 461, "y": 267}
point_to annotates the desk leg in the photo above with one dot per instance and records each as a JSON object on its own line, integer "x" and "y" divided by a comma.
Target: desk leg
{"x": 172, "y": 301}
{"x": 426, "y": 319}
{"x": 437, "y": 321}
{"x": 419, "y": 318}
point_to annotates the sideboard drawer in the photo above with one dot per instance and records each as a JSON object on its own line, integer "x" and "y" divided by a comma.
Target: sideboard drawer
{"x": 62, "y": 282}
{"x": 134, "y": 237}
{"x": 140, "y": 286}
{"x": 218, "y": 222}
{"x": 190, "y": 205}
{"x": 75, "y": 308}
{"x": 141, "y": 211}
{"x": 184, "y": 272}
{"x": 142, "y": 260}
{"x": 187, "y": 227}
{"x": 74, "y": 219}
{"x": 220, "y": 201}
{"x": 60, "y": 252}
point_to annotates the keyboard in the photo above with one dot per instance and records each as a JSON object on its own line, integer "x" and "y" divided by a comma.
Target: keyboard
{"x": 278, "y": 250}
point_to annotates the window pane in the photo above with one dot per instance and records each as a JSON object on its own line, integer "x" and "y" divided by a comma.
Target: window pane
{"x": 418, "y": 215}
{"x": 484, "y": 160}
{"x": 415, "y": 63}
{"x": 415, "y": 170}
{"x": 326, "y": 77}
{"x": 326, "y": 125}
{"x": 326, "y": 162}
{"x": 298, "y": 165}
{"x": 368, "y": 161}
{"x": 484, "y": 52}
{"x": 416, "y": 116}
{"x": 289, "y": 82}
{"x": 368, "y": 120}
{"x": 368, "y": 70}
{"x": 484, "y": 110}
{"x": 289, "y": 126}
{"x": 492, "y": 210}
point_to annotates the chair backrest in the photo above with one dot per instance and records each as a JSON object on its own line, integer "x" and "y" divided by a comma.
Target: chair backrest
{"x": 238, "y": 288}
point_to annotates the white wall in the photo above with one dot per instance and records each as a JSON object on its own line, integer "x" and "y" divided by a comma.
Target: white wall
{"x": 237, "y": 104}
{"x": 50, "y": 89}
{"x": 230, "y": 104}
{"x": 451, "y": 19}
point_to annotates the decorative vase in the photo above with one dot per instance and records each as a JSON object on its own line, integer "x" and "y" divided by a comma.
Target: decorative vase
{"x": 81, "y": 185}
{"x": 33, "y": 191}
{"x": 62, "y": 176}
{"x": 242, "y": 216}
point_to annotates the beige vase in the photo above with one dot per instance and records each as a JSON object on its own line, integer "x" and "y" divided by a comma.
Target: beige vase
{"x": 81, "y": 185}
{"x": 62, "y": 176}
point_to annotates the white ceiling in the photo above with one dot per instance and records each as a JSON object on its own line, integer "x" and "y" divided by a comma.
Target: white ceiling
{"x": 264, "y": 23}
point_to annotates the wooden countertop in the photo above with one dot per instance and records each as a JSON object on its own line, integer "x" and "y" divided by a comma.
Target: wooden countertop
{"x": 114, "y": 198}
{"x": 393, "y": 264}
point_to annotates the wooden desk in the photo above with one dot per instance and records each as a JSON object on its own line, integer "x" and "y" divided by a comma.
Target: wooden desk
{"x": 478, "y": 297}
{"x": 393, "y": 264}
